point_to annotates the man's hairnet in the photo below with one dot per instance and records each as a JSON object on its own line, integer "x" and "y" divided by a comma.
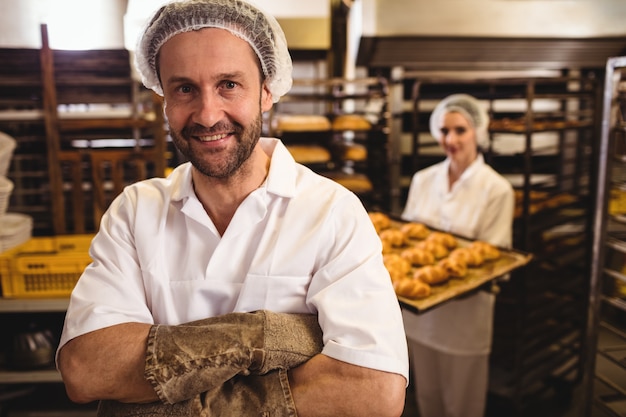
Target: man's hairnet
{"x": 242, "y": 19}
{"x": 470, "y": 108}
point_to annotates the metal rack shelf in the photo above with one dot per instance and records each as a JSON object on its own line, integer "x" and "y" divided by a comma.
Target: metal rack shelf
{"x": 602, "y": 387}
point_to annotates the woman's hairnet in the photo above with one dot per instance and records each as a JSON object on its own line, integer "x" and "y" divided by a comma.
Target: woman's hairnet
{"x": 470, "y": 108}
{"x": 242, "y": 19}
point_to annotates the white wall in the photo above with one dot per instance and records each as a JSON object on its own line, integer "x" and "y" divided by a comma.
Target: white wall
{"x": 72, "y": 24}
{"x": 498, "y": 18}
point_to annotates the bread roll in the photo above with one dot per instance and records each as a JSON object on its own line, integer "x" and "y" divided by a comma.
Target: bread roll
{"x": 445, "y": 239}
{"x": 487, "y": 250}
{"x": 435, "y": 248}
{"x": 381, "y": 221}
{"x": 387, "y": 247}
{"x": 415, "y": 230}
{"x": 394, "y": 236}
{"x": 431, "y": 274}
{"x": 411, "y": 288}
{"x": 397, "y": 266}
{"x": 454, "y": 266}
{"x": 471, "y": 257}
{"x": 418, "y": 257}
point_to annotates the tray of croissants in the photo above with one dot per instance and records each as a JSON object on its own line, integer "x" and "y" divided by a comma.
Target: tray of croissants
{"x": 429, "y": 267}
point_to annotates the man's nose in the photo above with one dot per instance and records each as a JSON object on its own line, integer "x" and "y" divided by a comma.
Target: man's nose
{"x": 209, "y": 109}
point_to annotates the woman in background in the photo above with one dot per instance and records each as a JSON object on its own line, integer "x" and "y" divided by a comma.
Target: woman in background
{"x": 450, "y": 344}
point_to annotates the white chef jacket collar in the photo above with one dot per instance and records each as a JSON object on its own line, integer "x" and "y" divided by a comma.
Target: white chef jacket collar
{"x": 281, "y": 178}
{"x": 469, "y": 171}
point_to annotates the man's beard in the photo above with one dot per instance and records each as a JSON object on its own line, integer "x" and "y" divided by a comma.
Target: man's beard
{"x": 247, "y": 139}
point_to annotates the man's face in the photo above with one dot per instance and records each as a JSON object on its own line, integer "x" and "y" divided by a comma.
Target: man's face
{"x": 213, "y": 98}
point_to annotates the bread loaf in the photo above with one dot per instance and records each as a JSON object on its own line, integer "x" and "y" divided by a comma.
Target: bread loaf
{"x": 302, "y": 123}
{"x": 354, "y": 152}
{"x": 358, "y": 183}
{"x": 309, "y": 154}
{"x": 351, "y": 122}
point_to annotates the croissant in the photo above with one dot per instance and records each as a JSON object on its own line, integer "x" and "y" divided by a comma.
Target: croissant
{"x": 435, "y": 248}
{"x": 471, "y": 257}
{"x": 387, "y": 247}
{"x": 394, "y": 236}
{"x": 415, "y": 230}
{"x": 397, "y": 266}
{"x": 431, "y": 274}
{"x": 489, "y": 251}
{"x": 417, "y": 256}
{"x": 411, "y": 288}
{"x": 456, "y": 267}
{"x": 380, "y": 221}
{"x": 445, "y": 239}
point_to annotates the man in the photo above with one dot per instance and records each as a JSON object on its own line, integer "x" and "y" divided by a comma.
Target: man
{"x": 203, "y": 286}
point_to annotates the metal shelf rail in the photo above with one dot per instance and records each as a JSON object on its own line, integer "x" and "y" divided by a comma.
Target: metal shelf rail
{"x": 604, "y": 241}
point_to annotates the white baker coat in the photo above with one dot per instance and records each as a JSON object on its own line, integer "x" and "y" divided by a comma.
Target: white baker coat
{"x": 479, "y": 206}
{"x": 298, "y": 244}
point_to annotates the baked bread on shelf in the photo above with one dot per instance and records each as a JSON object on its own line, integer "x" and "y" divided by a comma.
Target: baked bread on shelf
{"x": 353, "y": 152}
{"x": 351, "y": 122}
{"x": 309, "y": 154}
{"x": 357, "y": 183}
{"x": 301, "y": 123}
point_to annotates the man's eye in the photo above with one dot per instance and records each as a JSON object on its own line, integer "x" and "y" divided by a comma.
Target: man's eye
{"x": 230, "y": 85}
{"x": 185, "y": 89}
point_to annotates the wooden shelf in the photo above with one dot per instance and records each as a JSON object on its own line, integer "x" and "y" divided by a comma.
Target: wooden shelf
{"x": 33, "y": 305}
{"x": 29, "y": 377}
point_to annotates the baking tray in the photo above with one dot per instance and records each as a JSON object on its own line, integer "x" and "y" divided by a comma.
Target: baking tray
{"x": 510, "y": 259}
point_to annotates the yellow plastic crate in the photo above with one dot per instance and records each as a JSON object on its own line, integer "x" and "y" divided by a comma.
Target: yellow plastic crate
{"x": 44, "y": 267}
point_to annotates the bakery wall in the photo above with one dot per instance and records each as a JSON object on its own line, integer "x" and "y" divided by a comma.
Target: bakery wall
{"x": 95, "y": 24}
{"x": 500, "y": 18}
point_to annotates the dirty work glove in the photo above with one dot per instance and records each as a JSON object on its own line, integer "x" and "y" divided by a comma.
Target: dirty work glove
{"x": 241, "y": 396}
{"x": 252, "y": 395}
{"x": 189, "y": 408}
{"x": 196, "y": 357}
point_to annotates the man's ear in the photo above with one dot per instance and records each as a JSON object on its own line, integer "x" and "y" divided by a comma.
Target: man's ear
{"x": 267, "y": 100}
